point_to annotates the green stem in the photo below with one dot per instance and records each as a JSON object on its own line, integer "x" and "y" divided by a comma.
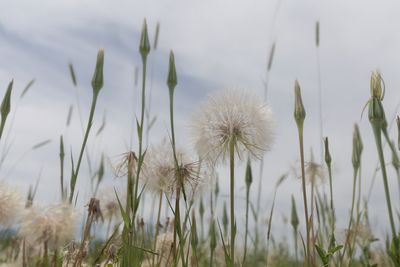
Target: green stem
{"x": 247, "y": 223}
{"x": 378, "y": 141}
{"x": 85, "y": 138}
{"x": 331, "y": 194}
{"x": 303, "y": 181}
{"x": 140, "y": 135}
{"x": 232, "y": 197}
{"x": 346, "y": 244}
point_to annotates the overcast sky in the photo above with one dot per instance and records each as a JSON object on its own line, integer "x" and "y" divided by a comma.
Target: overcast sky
{"x": 217, "y": 45}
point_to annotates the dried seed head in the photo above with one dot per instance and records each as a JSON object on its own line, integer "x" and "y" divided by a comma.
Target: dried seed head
{"x": 97, "y": 80}
{"x": 232, "y": 116}
{"x": 144, "y": 47}
{"x": 11, "y": 204}
{"x": 299, "y": 111}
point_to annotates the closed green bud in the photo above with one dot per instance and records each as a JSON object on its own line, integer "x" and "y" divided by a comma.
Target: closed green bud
{"x": 294, "y": 218}
{"x": 357, "y": 147}
{"x": 317, "y": 33}
{"x": 376, "y": 113}
{"x": 97, "y": 80}
{"x": 299, "y": 111}
{"x": 172, "y": 80}
{"x": 249, "y": 174}
{"x": 328, "y": 158}
{"x": 155, "y": 44}
{"x": 225, "y": 219}
{"x": 201, "y": 208}
{"x": 144, "y": 47}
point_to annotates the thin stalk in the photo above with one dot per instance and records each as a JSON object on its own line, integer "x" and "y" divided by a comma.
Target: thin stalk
{"x": 331, "y": 200}
{"x": 346, "y": 244}
{"x": 232, "y": 197}
{"x": 303, "y": 181}
{"x": 157, "y": 223}
{"x": 247, "y": 223}
{"x": 378, "y": 141}
{"x": 140, "y": 135}
{"x": 85, "y": 138}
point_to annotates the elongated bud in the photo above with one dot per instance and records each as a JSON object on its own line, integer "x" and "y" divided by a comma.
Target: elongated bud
{"x": 172, "y": 80}
{"x": 249, "y": 174}
{"x": 62, "y": 153}
{"x": 377, "y": 85}
{"x": 328, "y": 158}
{"x": 156, "y": 36}
{"x": 376, "y": 113}
{"x": 6, "y": 103}
{"x": 317, "y": 33}
{"x": 271, "y": 57}
{"x": 225, "y": 219}
{"x": 144, "y": 47}
{"x": 357, "y": 148}
{"x": 201, "y": 208}
{"x": 97, "y": 80}
{"x": 299, "y": 111}
{"x": 294, "y": 218}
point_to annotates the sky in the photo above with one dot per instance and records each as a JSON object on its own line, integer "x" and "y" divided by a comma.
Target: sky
{"x": 218, "y": 45}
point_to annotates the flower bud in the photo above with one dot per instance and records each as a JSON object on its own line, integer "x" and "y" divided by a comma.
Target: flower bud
{"x": 144, "y": 47}
{"x": 294, "y": 219}
{"x": 172, "y": 80}
{"x": 357, "y": 147}
{"x": 249, "y": 174}
{"x": 299, "y": 111}
{"x": 328, "y": 158}
{"x": 97, "y": 80}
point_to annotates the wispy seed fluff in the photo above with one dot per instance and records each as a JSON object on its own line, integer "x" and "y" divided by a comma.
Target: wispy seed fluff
{"x": 54, "y": 225}
{"x": 161, "y": 172}
{"x": 232, "y": 115}
{"x": 10, "y": 204}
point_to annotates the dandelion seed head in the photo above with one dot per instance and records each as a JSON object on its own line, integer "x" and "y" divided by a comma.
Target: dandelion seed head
{"x": 162, "y": 173}
{"x": 232, "y": 115}
{"x": 11, "y": 204}
{"x": 54, "y": 224}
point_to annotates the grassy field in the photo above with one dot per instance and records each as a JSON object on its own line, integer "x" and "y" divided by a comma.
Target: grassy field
{"x": 230, "y": 128}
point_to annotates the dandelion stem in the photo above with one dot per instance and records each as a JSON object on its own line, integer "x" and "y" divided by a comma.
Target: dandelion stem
{"x": 232, "y": 197}
{"x": 85, "y": 138}
{"x": 303, "y": 181}
{"x": 378, "y": 141}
